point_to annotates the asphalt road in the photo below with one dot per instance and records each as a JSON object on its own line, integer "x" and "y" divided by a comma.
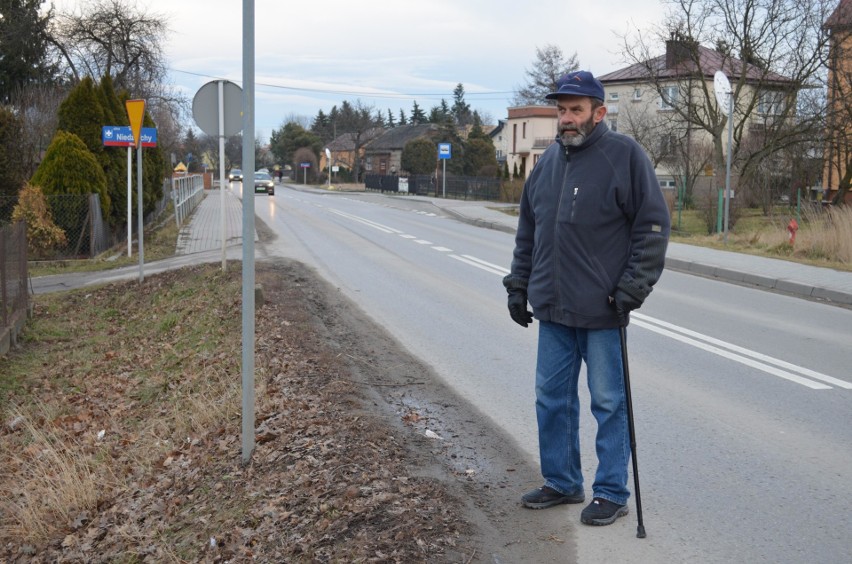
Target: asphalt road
{"x": 742, "y": 396}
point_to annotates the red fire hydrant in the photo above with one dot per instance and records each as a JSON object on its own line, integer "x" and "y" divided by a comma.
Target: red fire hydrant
{"x": 792, "y": 227}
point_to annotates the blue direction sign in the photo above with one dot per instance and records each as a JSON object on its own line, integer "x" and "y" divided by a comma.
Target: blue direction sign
{"x": 122, "y": 136}
{"x": 444, "y": 150}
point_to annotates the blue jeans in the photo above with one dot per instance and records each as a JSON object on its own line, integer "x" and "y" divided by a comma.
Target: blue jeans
{"x": 561, "y": 349}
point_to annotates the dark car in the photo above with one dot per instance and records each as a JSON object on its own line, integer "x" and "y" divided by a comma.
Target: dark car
{"x": 235, "y": 174}
{"x": 264, "y": 183}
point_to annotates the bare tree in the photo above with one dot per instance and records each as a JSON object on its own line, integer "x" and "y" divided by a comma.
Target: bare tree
{"x": 122, "y": 40}
{"x": 651, "y": 129}
{"x": 37, "y": 106}
{"x": 116, "y": 38}
{"x": 550, "y": 64}
{"x": 356, "y": 119}
{"x": 770, "y": 49}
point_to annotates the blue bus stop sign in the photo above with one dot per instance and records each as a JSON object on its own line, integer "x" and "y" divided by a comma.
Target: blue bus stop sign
{"x": 444, "y": 150}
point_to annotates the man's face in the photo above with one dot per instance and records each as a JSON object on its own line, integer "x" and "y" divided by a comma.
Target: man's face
{"x": 577, "y": 119}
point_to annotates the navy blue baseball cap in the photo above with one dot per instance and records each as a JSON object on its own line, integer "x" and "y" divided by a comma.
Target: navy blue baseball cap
{"x": 578, "y": 83}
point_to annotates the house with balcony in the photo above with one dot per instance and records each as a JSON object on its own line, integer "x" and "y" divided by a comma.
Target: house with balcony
{"x": 650, "y": 99}
{"x": 529, "y": 130}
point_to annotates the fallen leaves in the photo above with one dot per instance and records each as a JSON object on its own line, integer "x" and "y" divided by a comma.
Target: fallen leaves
{"x": 160, "y": 421}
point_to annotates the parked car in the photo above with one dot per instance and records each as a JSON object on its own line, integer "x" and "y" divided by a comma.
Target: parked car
{"x": 264, "y": 183}
{"x": 235, "y": 174}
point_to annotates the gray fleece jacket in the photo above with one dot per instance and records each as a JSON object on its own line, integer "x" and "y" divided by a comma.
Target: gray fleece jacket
{"x": 592, "y": 219}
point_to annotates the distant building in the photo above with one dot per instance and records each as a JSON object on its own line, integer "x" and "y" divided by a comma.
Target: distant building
{"x": 529, "y": 131}
{"x": 383, "y": 155}
{"x": 838, "y": 153}
{"x": 641, "y": 100}
{"x": 342, "y": 149}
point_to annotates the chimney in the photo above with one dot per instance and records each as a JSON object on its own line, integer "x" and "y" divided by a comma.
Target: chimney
{"x": 679, "y": 49}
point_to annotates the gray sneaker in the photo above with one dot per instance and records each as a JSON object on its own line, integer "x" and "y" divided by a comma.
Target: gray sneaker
{"x": 602, "y": 512}
{"x": 545, "y": 496}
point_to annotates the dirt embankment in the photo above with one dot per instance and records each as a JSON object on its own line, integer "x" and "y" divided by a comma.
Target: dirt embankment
{"x": 361, "y": 454}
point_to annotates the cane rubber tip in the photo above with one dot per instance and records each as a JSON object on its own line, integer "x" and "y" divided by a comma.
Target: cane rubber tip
{"x": 640, "y": 532}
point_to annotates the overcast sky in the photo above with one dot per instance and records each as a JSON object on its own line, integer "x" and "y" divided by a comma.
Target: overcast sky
{"x": 310, "y": 56}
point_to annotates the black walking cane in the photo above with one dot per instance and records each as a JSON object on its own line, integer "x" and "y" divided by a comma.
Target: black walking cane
{"x": 640, "y": 530}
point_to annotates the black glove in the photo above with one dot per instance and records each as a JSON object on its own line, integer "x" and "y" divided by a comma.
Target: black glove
{"x": 518, "y": 307}
{"x": 624, "y": 303}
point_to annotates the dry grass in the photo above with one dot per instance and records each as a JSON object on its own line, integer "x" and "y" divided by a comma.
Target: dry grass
{"x": 827, "y": 235}
{"x": 824, "y": 238}
{"x": 120, "y": 434}
{"x": 62, "y": 482}
{"x": 151, "y": 368}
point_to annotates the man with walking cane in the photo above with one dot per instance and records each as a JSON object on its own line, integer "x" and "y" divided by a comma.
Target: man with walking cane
{"x": 590, "y": 245}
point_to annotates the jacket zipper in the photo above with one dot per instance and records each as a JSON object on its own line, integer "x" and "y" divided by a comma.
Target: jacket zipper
{"x": 574, "y": 202}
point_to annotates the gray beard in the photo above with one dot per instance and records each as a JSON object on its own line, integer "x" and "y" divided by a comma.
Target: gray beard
{"x": 573, "y": 140}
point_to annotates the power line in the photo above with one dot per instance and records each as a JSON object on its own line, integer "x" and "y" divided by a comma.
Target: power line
{"x": 389, "y": 95}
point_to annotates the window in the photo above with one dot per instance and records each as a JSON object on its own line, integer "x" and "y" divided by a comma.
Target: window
{"x": 668, "y": 97}
{"x": 613, "y": 96}
{"x": 637, "y": 94}
{"x": 524, "y": 134}
{"x": 668, "y": 145}
{"x": 612, "y": 108}
{"x": 770, "y": 103}
{"x": 613, "y": 124}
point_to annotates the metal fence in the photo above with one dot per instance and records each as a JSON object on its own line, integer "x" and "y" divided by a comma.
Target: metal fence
{"x": 187, "y": 193}
{"x": 456, "y": 187}
{"x": 80, "y": 217}
{"x": 14, "y": 299}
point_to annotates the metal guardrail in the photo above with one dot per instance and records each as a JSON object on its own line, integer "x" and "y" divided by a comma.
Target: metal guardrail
{"x": 187, "y": 193}
{"x": 14, "y": 299}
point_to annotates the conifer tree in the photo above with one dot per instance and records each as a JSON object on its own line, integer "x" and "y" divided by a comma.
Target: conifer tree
{"x": 114, "y": 159}
{"x": 81, "y": 113}
{"x": 69, "y": 167}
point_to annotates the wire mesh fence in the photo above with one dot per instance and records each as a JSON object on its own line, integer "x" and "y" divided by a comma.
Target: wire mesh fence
{"x": 80, "y": 217}
{"x": 13, "y": 280}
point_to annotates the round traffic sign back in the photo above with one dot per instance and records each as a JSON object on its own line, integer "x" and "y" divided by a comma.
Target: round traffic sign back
{"x": 205, "y": 108}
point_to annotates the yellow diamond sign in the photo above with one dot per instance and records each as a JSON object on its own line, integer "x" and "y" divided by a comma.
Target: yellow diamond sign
{"x": 135, "y": 111}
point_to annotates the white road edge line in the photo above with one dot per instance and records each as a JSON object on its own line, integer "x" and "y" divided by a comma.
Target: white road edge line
{"x": 735, "y": 357}
{"x": 746, "y": 352}
{"x": 367, "y": 222}
{"x": 500, "y": 269}
{"x": 477, "y": 264}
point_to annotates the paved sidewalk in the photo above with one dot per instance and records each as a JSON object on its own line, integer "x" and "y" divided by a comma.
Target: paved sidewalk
{"x": 204, "y": 229}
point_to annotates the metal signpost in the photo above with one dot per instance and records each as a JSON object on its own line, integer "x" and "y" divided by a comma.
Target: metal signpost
{"x": 136, "y": 112}
{"x": 222, "y": 108}
{"x": 217, "y": 109}
{"x": 444, "y": 153}
{"x": 725, "y": 99}
{"x": 122, "y": 136}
